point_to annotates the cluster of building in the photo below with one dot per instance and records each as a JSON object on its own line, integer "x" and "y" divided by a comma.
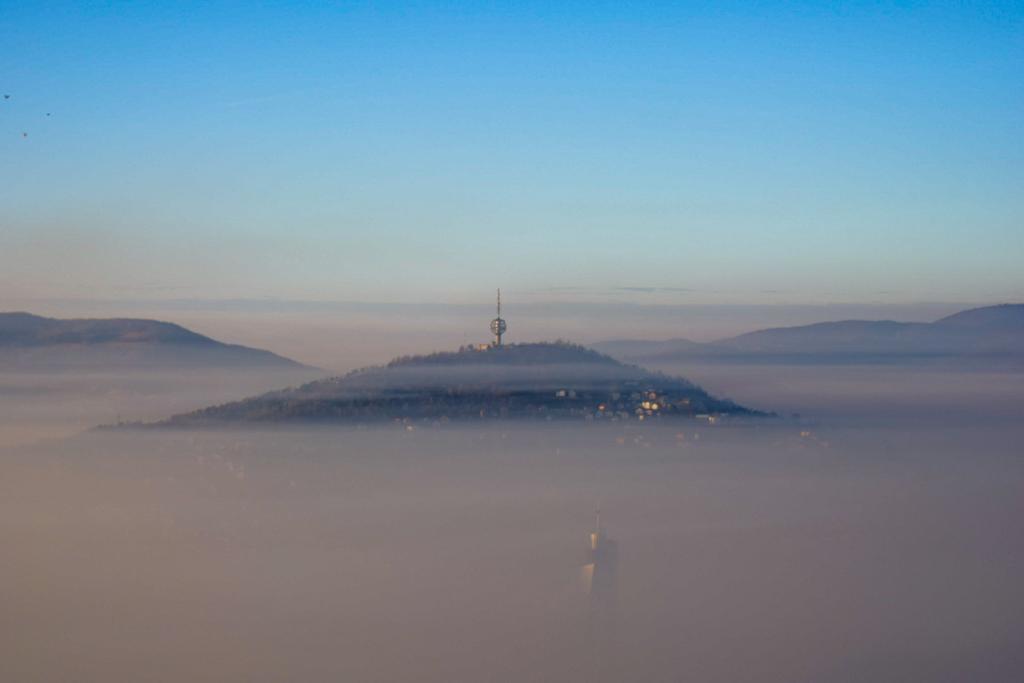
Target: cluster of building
{"x": 629, "y": 405}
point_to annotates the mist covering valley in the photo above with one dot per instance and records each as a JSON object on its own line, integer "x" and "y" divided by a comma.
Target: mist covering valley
{"x": 511, "y": 342}
{"x": 869, "y": 533}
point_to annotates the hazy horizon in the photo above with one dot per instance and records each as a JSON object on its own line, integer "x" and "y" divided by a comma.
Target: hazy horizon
{"x": 342, "y": 335}
{"x": 343, "y": 184}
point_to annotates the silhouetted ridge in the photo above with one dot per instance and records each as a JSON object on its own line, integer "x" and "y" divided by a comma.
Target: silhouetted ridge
{"x": 993, "y": 331}
{"x": 25, "y": 329}
{"x": 510, "y": 354}
{"x": 1001, "y": 317}
{"x": 36, "y": 342}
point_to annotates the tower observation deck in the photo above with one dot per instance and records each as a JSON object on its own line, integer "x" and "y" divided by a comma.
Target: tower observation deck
{"x": 498, "y": 325}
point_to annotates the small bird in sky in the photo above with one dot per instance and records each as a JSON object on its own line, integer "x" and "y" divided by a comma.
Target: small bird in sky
{"x": 24, "y": 134}
{"x": 7, "y": 97}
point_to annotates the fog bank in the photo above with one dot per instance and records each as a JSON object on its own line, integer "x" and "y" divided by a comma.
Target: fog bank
{"x": 769, "y": 553}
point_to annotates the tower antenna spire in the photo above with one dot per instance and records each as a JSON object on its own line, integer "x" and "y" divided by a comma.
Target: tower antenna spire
{"x": 498, "y": 325}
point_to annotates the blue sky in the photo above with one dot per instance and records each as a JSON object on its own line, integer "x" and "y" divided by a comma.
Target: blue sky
{"x": 655, "y": 152}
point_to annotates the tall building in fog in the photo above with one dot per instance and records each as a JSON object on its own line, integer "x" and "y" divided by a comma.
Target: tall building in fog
{"x": 600, "y": 583}
{"x": 599, "y": 573}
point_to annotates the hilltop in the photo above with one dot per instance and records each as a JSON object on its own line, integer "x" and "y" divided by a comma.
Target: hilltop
{"x": 520, "y": 381}
{"x": 32, "y": 342}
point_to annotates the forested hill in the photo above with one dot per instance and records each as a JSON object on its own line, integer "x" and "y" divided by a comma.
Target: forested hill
{"x": 536, "y": 381}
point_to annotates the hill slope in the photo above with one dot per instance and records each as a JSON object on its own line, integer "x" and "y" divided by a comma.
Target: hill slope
{"x": 987, "y": 331}
{"x": 33, "y": 342}
{"x": 545, "y": 381}
{"x": 991, "y": 318}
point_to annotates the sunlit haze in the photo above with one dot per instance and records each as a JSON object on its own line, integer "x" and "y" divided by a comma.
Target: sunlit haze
{"x": 513, "y": 342}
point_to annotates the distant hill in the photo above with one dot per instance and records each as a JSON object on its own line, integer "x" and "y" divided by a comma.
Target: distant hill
{"x": 32, "y": 342}
{"x": 993, "y": 331}
{"x": 991, "y": 318}
{"x": 520, "y": 381}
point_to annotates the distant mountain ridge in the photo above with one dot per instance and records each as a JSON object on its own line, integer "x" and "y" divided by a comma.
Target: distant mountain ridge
{"x": 37, "y": 342}
{"x": 987, "y": 331}
{"x": 26, "y": 329}
{"x": 1000, "y": 317}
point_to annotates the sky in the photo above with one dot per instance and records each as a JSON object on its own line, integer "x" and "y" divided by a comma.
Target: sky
{"x": 663, "y": 153}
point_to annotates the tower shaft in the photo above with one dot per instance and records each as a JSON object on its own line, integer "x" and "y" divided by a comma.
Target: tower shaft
{"x": 498, "y": 325}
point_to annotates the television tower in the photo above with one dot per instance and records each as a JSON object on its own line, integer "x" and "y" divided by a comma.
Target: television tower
{"x": 498, "y": 325}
